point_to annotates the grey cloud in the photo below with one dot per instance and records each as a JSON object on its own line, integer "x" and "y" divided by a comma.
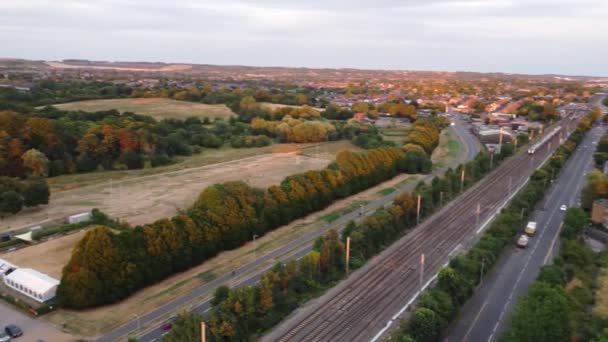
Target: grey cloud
{"x": 497, "y": 35}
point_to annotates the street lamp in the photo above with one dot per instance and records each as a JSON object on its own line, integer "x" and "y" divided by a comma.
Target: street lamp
{"x": 136, "y": 316}
{"x": 255, "y": 248}
{"x": 483, "y": 259}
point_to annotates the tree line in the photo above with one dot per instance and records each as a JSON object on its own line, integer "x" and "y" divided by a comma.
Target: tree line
{"x": 18, "y": 193}
{"x": 106, "y": 267}
{"x": 439, "y": 305}
{"x": 245, "y": 313}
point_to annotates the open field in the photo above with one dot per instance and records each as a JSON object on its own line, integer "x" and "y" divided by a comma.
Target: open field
{"x": 95, "y": 321}
{"x": 145, "y": 199}
{"x": 273, "y": 106}
{"x": 47, "y": 257}
{"x": 157, "y": 108}
{"x": 142, "y": 196}
{"x": 325, "y": 150}
{"x": 447, "y": 150}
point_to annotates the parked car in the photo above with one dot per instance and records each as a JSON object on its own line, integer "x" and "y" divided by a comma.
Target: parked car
{"x": 522, "y": 241}
{"x": 13, "y": 330}
{"x": 563, "y": 207}
{"x": 4, "y": 337}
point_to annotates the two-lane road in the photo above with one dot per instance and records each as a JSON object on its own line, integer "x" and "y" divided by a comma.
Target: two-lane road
{"x": 486, "y": 314}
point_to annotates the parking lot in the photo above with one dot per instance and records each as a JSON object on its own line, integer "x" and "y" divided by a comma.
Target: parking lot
{"x": 33, "y": 330}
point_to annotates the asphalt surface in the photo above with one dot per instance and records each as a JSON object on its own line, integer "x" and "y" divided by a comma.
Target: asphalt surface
{"x": 292, "y": 250}
{"x": 486, "y": 314}
{"x": 33, "y": 329}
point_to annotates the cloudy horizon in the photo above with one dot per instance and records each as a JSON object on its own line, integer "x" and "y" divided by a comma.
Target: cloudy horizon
{"x": 513, "y": 36}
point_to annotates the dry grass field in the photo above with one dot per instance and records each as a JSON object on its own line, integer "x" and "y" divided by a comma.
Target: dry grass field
{"x": 157, "y": 108}
{"x": 56, "y": 254}
{"x": 273, "y": 106}
{"x": 141, "y": 200}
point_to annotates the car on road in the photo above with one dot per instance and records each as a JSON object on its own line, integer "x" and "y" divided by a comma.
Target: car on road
{"x": 13, "y": 330}
{"x": 563, "y": 207}
{"x": 522, "y": 241}
{"x": 4, "y": 337}
{"x": 166, "y": 326}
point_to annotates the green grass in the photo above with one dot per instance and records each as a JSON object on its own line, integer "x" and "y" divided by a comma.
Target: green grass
{"x": 336, "y": 214}
{"x": 207, "y": 276}
{"x": 386, "y": 191}
{"x": 158, "y": 108}
{"x": 453, "y": 146}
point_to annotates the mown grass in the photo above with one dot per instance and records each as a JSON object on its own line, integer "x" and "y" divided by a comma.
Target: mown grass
{"x": 334, "y": 215}
{"x": 158, "y": 108}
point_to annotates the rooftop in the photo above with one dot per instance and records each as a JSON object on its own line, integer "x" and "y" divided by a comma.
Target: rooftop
{"x": 35, "y": 280}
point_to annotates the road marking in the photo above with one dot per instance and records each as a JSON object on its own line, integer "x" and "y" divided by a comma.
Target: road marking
{"x": 552, "y": 244}
{"x": 537, "y": 243}
{"x": 206, "y": 310}
{"x": 475, "y": 320}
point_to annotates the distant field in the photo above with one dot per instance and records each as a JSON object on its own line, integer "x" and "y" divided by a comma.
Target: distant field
{"x": 273, "y": 106}
{"x": 157, "y": 108}
{"x": 142, "y": 196}
{"x": 56, "y": 254}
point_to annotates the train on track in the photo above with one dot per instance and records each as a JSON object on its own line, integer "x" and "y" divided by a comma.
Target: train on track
{"x": 546, "y": 138}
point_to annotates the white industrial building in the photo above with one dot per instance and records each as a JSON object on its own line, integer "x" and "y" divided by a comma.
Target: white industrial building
{"x": 28, "y": 282}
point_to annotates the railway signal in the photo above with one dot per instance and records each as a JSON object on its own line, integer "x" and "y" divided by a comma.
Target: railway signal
{"x": 477, "y": 212}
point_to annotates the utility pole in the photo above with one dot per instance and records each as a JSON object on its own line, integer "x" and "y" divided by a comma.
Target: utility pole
{"x": 255, "y": 248}
{"x": 510, "y": 183}
{"x": 440, "y": 198}
{"x": 478, "y": 211}
{"x": 203, "y": 332}
{"x": 462, "y": 179}
{"x": 418, "y": 211}
{"x": 500, "y": 141}
{"x": 483, "y": 259}
{"x": 491, "y": 159}
{"x": 521, "y": 215}
{"x": 421, "y": 270}
{"x": 515, "y": 142}
{"x": 347, "y": 254}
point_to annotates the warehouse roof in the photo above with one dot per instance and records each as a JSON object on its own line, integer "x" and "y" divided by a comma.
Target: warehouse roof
{"x": 39, "y": 282}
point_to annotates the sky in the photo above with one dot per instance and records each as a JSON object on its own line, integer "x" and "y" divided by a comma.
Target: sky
{"x": 567, "y": 37}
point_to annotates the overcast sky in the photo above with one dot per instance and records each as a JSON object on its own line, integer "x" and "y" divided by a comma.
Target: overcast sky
{"x": 522, "y": 36}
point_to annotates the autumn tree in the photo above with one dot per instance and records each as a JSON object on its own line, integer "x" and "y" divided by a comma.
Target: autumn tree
{"x": 36, "y": 162}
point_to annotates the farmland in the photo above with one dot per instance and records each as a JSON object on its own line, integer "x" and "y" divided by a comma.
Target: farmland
{"x": 158, "y": 108}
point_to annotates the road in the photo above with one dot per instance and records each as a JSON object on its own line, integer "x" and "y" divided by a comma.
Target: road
{"x": 486, "y": 314}
{"x": 294, "y": 249}
{"x": 364, "y": 306}
{"x": 33, "y": 329}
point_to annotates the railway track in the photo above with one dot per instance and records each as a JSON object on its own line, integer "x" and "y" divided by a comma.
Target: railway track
{"x": 369, "y": 298}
